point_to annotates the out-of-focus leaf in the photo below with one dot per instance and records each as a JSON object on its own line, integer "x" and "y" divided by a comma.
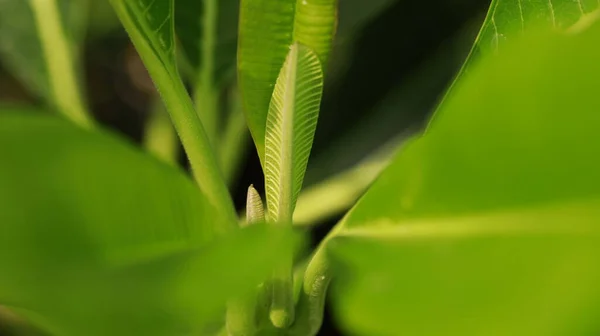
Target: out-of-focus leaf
{"x": 150, "y": 26}
{"x": 100, "y": 239}
{"x": 189, "y": 27}
{"x": 267, "y": 30}
{"x": 20, "y": 48}
{"x": 488, "y": 223}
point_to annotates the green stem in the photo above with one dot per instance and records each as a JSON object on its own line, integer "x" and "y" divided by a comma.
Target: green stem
{"x": 317, "y": 276}
{"x": 233, "y": 140}
{"x": 206, "y": 94}
{"x": 191, "y": 132}
{"x": 160, "y": 138}
{"x": 60, "y": 62}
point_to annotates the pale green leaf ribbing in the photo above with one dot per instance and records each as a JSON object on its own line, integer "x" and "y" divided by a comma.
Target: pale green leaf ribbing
{"x": 291, "y": 125}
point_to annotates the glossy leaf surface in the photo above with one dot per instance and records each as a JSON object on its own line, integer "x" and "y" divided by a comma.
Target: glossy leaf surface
{"x": 267, "y": 30}
{"x": 489, "y": 222}
{"x": 98, "y": 238}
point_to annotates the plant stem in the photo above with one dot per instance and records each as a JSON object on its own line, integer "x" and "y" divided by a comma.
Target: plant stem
{"x": 60, "y": 62}
{"x": 311, "y": 303}
{"x": 206, "y": 94}
{"x": 234, "y": 139}
{"x": 160, "y": 138}
{"x": 191, "y": 132}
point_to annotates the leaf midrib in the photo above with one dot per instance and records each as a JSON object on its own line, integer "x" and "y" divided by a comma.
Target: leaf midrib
{"x": 558, "y": 218}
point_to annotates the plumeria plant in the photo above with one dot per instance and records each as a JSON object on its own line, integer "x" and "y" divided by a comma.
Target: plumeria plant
{"x": 485, "y": 223}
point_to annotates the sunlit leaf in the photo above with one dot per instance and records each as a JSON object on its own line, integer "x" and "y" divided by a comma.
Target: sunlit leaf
{"x": 488, "y": 223}
{"x": 267, "y": 30}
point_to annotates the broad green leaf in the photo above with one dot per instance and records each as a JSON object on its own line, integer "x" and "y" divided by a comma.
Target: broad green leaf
{"x": 98, "y": 238}
{"x": 39, "y": 43}
{"x": 472, "y": 283}
{"x": 508, "y": 19}
{"x": 383, "y": 120}
{"x": 267, "y": 30}
{"x": 151, "y": 28}
{"x": 488, "y": 223}
{"x": 291, "y": 125}
{"x": 190, "y": 26}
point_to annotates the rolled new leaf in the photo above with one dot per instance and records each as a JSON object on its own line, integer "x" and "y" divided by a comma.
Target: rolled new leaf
{"x": 255, "y": 212}
{"x": 242, "y": 311}
{"x": 291, "y": 125}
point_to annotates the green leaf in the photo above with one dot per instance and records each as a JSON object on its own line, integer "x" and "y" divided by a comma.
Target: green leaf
{"x": 488, "y": 223}
{"x": 500, "y": 283}
{"x": 267, "y": 29}
{"x": 98, "y": 238}
{"x": 508, "y": 19}
{"x": 150, "y": 26}
{"x": 291, "y": 125}
{"x": 37, "y": 44}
